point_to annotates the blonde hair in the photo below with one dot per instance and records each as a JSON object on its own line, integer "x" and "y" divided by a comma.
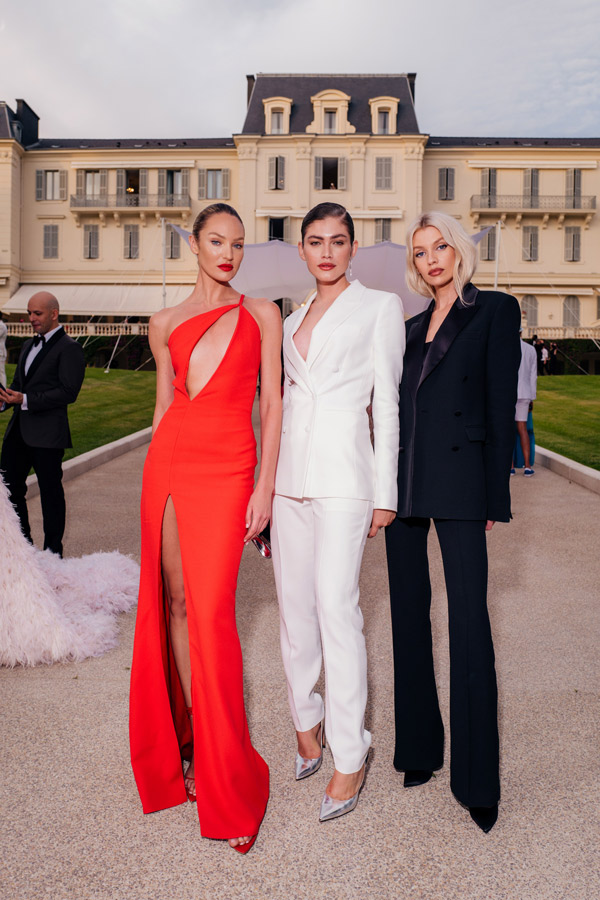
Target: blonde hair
{"x": 454, "y": 235}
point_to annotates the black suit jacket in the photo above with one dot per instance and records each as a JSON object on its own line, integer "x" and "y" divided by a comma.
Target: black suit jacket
{"x": 53, "y": 381}
{"x": 457, "y": 410}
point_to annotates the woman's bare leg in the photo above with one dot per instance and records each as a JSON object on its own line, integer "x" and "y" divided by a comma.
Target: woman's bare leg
{"x": 172, "y": 571}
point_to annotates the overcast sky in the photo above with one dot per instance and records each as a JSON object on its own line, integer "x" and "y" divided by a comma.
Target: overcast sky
{"x": 176, "y": 68}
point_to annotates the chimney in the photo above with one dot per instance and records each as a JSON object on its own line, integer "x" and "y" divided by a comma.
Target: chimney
{"x": 29, "y": 123}
{"x": 251, "y": 80}
{"x": 412, "y": 77}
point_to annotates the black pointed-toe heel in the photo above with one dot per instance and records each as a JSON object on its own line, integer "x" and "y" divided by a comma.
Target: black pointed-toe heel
{"x": 415, "y": 777}
{"x": 484, "y": 816}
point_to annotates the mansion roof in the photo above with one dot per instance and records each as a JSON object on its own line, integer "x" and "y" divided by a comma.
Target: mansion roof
{"x": 360, "y": 88}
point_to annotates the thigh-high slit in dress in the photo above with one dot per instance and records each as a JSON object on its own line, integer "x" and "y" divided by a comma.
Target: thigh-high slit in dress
{"x": 203, "y": 456}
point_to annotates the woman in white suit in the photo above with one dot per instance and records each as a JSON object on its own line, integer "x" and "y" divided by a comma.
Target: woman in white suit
{"x": 334, "y": 487}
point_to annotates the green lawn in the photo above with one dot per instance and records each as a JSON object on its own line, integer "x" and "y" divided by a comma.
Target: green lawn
{"x": 566, "y": 414}
{"x": 108, "y": 407}
{"x": 566, "y": 417}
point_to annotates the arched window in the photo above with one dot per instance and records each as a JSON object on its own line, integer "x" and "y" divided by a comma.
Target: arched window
{"x": 529, "y": 305}
{"x": 571, "y": 310}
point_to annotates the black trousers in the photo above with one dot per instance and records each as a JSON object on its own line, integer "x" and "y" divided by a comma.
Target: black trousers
{"x": 474, "y": 750}
{"x": 17, "y": 460}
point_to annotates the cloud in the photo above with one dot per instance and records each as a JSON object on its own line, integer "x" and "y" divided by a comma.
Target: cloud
{"x": 178, "y": 69}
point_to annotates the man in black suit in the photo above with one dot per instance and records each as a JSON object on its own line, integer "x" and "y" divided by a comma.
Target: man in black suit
{"x": 48, "y": 377}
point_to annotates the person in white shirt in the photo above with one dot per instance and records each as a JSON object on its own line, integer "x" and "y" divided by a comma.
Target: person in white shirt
{"x": 526, "y": 394}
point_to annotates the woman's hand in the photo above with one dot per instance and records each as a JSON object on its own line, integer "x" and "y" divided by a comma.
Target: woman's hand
{"x": 381, "y": 519}
{"x": 489, "y": 525}
{"x": 258, "y": 512}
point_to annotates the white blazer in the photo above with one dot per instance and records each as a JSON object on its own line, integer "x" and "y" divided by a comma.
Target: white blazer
{"x": 355, "y": 349}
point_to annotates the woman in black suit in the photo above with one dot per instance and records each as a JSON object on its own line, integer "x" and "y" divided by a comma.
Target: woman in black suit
{"x": 457, "y": 402}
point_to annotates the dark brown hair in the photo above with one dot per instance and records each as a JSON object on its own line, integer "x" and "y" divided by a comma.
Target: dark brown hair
{"x": 213, "y": 210}
{"x": 325, "y": 211}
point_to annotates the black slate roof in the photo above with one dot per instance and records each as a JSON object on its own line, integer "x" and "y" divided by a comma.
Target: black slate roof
{"x": 6, "y": 118}
{"x": 130, "y": 143}
{"x": 361, "y": 88}
{"x": 506, "y": 142}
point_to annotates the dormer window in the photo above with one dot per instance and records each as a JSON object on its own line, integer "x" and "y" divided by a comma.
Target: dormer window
{"x": 383, "y": 121}
{"x": 330, "y": 121}
{"x": 277, "y": 115}
{"x": 330, "y": 113}
{"x": 384, "y": 115}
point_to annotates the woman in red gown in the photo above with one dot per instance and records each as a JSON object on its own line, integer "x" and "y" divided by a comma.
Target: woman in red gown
{"x": 199, "y": 508}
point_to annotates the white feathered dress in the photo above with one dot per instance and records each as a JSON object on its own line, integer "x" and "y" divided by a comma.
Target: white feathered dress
{"x": 53, "y": 609}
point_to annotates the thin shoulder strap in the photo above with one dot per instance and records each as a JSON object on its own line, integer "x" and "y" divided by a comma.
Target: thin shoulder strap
{"x": 241, "y": 300}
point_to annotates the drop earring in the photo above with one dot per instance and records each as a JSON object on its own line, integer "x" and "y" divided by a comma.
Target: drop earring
{"x": 350, "y": 269}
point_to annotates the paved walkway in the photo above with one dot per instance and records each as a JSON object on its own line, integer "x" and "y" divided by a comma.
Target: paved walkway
{"x": 71, "y": 823}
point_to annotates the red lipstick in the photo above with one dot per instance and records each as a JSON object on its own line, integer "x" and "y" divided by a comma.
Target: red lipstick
{"x": 226, "y": 267}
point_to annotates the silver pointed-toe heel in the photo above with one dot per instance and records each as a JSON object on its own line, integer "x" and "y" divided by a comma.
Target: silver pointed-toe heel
{"x": 306, "y": 767}
{"x": 333, "y": 809}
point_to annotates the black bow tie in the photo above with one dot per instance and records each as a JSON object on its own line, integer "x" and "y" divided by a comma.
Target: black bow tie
{"x": 39, "y": 339}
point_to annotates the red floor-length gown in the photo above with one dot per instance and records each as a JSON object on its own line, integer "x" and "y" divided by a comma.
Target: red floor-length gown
{"x": 203, "y": 455}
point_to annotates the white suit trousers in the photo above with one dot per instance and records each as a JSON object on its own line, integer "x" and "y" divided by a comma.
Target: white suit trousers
{"x": 317, "y": 553}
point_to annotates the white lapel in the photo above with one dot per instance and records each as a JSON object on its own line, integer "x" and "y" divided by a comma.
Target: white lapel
{"x": 293, "y": 359}
{"x": 342, "y": 307}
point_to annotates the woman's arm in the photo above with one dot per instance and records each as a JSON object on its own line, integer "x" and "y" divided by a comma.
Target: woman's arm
{"x": 157, "y": 337}
{"x": 388, "y": 352}
{"x": 259, "y": 507}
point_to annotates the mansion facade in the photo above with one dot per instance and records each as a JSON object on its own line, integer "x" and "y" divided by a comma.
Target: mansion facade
{"x": 83, "y": 218}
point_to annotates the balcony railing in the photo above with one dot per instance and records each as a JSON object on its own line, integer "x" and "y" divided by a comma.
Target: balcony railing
{"x": 124, "y": 201}
{"x": 544, "y": 202}
{"x": 83, "y": 329}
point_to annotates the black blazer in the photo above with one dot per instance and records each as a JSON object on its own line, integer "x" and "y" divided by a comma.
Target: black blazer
{"x": 457, "y": 410}
{"x": 53, "y": 381}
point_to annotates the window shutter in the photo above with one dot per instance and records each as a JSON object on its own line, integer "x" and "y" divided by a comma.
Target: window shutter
{"x": 318, "y": 173}
{"x": 225, "y": 181}
{"x": 39, "y": 184}
{"x": 201, "y": 184}
{"x": 135, "y": 242}
{"x": 450, "y": 184}
{"x": 492, "y": 179}
{"x": 185, "y": 186}
{"x": 103, "y": 182}
{"x": 62, "y": 190}
{"x": 576, "y": 244}
{"x": 442, "y": 184}
{"x": 51, "y": 241}
{"x": 379, "y": 173}
{"x": 272, "y": 176}
{"x": 286, "y": 229}
{"x": 342, "y": 168}
{"x": 94, "y": 248}
{"x": 175, "y": 244}
{"x": 126, "y": 250}
{"x": 86, "y": 241}
{"x": 387, "y": 173}
{"x": 162, "y": 182}
{"x": 143, "y": 182}
{"x": 378, "y": 231}
{"x": 485, "y": 181}
{"x": 80, "y": 183}
{"x": 46, "y": 241}
{"x": 121, "y": 182}
{"x": 534, "y": 242}
{"x": 535, "y": 182}
{"x": 577, "y": 182}
{"x": 527, "y": 182}
{"x": 281, "y": 173}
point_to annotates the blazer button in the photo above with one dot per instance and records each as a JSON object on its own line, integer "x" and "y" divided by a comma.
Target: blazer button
{"x": 400, "y": 449}
{"x": 456, "y": 448}
{"x": 458, "y": 413}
